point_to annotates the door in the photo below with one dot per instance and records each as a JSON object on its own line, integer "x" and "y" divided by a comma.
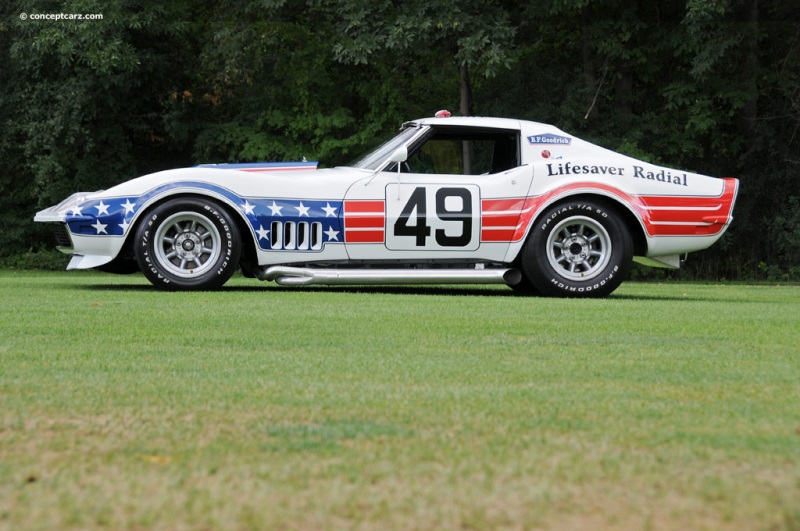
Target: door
{"x": 455, "y": 196}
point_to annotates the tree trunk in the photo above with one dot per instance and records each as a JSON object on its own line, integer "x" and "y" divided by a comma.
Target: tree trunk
{"x": 466, "y": 110}
{"x": 589, "y": 79}
{"x": 749, "y": 113}
{"x": 623, "y": 92}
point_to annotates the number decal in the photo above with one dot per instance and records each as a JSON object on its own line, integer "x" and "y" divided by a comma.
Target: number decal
{"x": 421, "y": 230}
{"x": 462, "y": 215}
{"x": 433, "y": 217}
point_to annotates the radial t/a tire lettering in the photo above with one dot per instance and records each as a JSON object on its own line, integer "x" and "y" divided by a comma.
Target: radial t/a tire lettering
{"x": 187, "y": 243}
{"x": 577, "y": 249}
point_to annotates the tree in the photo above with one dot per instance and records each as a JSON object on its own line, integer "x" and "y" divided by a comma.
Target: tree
{"x": 477, "y": 36}
{"x": 84, "y": 98}
{"x": 706, "y": 86}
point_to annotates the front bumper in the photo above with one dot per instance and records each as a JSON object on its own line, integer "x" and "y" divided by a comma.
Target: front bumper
{"x": 87, "y": 251}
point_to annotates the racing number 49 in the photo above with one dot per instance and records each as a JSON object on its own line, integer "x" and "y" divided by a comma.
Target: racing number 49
{"x": 447, "y": 209}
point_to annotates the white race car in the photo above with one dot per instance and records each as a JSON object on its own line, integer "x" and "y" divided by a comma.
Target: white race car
{"x": 447, "y": 200}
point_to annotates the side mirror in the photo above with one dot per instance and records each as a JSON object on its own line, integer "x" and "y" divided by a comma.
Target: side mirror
{"x": 400, "y": 155}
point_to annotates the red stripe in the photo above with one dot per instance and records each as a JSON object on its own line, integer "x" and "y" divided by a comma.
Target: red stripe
{"x": 715, "y": 210}
{"x": 499, "y": 205}
{"x": 707, "y": 215}
{"x": 499, "y": 217}
{"x": 497, "y": 235}
{"x": 371, "y": 207}
{"x": 363, "y": 236}
{"x": 678, "y": 215}
{"x": 671, "y": 201}
{"x": 529, "y": 210}
{"x": 499, "y": 220}
{"x": 363, "y": 222}
{"x": 683, "y": 230}
{"x": 364, "y": 215}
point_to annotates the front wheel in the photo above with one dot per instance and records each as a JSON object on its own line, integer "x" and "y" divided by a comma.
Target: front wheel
{"x": 188, "y": 244}
{"x": 577, "y": 249}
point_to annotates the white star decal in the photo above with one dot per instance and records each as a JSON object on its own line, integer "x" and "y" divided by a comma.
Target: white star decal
{"x": 248, "y": 208}
{"x": 329, "y": 210}
{"x": 102, "y": 208}
{"x": 124, "y": 225}
{"x": 276, "y": 210}
{"x": 76, "y": 211}
{"x": 333, "y": 235}
{"x": 302, "y": 210}
{"x": 262, "y": 233}
{"x": 128, "y": 206}
{"x": 99, "y": 227}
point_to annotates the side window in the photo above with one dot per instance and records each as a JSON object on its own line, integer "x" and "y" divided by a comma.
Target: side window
{"x": 451, "y": 153}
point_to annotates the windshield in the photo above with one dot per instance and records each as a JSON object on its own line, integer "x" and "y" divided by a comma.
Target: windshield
{"x": 374, "y": 159}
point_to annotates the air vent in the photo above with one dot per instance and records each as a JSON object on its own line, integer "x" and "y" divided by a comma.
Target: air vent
{"x": 295, "y": 236}
{"x": 61, "y": 234}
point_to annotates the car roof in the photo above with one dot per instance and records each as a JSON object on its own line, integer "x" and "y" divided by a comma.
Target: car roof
{"x": 478, "y": 121}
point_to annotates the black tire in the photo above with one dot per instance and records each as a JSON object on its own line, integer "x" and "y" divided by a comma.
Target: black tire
{"x": 577, "y": 249}
{"x": 524, "y": 288}
{"x": 188, "y": 243}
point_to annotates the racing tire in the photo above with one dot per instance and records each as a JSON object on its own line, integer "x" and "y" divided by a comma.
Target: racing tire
{"x": 188, "y": 243}
{"x": 524, "y": 288}
{"x": 577, "y": 249}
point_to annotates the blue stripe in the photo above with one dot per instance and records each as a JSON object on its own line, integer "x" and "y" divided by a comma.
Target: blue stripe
{"x": 246, "y": 165}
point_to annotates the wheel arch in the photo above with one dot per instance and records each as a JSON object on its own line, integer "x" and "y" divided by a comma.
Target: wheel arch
{"x": 622, "y": 209}
{"x": 244, "y": 228}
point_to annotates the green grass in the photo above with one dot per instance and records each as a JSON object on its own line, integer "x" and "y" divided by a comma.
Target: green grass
{"x": 665, "y": 406}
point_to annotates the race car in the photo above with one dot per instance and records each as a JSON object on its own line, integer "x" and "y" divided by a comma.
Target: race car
{"x": 464, "y": 200}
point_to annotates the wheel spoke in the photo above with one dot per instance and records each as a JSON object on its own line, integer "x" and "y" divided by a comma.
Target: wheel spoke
{"x": 188, "y": 244}
{"x": 578, "y": 248}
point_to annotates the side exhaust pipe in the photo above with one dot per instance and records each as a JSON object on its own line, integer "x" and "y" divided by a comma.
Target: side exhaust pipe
{"x": 305, "y": 276}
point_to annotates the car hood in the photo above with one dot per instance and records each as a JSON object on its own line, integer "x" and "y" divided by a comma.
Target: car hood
{"x": 327, "y": 183}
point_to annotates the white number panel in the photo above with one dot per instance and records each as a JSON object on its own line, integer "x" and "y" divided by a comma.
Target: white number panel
{"x": 432, "y": 217}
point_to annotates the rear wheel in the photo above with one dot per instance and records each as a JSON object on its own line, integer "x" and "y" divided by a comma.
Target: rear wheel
{"x": 188, "y": 244}
{"x": 524, "y": 287}
{"x": 577, "y": 249}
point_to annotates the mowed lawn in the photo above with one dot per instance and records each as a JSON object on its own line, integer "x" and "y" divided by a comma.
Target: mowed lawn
{"x": 665, "y": 406}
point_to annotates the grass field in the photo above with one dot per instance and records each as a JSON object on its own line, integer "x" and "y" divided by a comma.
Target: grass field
{"x": 665, "y": 406}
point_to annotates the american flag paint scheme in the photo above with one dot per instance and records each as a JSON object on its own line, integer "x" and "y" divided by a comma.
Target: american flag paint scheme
{"x": 448, "y": 199}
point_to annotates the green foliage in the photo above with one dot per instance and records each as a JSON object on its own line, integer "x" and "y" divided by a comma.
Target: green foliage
{"x": 705, "y": 86}
{"x": 784, "y": 232}
{"x": 474, "y": 33}
{"x": 82, "y": 101}
{"x": 46, "y": 260}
